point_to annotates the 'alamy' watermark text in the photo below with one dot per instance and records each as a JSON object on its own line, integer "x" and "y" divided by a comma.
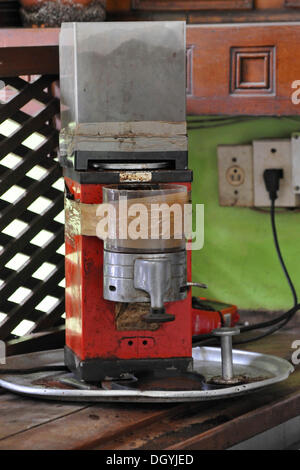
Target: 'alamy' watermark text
{"x": 151, "y": 222}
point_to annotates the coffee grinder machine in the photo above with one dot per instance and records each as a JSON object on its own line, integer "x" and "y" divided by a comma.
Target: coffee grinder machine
{"x": 130, "y": 315}
{"x": 123, "y": 110}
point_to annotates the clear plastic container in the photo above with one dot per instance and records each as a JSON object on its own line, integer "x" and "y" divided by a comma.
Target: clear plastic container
{"x": 148, "y": 218}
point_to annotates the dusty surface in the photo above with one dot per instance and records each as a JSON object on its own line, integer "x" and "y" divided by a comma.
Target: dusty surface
{"x": 131, "y": 317}
{"x": 53, "y": 13}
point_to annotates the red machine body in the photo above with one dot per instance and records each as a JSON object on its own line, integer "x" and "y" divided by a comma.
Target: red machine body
{"x": 91, "y": 331}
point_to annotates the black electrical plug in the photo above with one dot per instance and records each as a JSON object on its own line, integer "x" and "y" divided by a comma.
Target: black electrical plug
{"x": 272, "y": 178}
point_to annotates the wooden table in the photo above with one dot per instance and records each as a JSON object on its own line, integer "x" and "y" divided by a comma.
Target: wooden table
{"x": 38, "y": 424}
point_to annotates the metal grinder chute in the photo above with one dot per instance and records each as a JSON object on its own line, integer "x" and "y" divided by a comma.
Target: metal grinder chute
{"x": 147, "y": 269}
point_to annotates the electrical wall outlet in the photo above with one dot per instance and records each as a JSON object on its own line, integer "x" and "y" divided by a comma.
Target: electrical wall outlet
{"x": 273, "y": 153}
{"x": 235, "y": 175}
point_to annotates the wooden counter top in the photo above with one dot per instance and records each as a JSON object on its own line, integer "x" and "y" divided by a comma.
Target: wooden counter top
{"x": 37, "y": 424}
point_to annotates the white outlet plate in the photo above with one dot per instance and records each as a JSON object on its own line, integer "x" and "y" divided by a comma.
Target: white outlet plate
{"x": 296, "y": 161}
{"x": 273, "y": 153}
{"x": 235, "y": 175}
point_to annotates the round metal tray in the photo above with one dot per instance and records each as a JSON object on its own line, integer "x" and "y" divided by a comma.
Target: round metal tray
{"x": 263, "y": 369}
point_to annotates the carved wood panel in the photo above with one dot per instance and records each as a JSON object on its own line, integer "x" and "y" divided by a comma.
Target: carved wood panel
{"x": 204, "y": 11}
{"x": 252, "y": 70}
{"x": 292, "y": 3}
{"x": 244, "y": 69}
{"x": 192, "y": 4}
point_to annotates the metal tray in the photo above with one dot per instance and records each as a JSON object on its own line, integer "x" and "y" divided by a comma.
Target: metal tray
{"x": 207, "y": 361}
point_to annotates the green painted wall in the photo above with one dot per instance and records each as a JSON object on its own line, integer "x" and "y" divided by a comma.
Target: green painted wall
{"x": 238, "y": 260}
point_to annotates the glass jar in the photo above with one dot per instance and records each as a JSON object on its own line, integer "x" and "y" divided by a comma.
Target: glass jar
{"x": 145, "y": 218}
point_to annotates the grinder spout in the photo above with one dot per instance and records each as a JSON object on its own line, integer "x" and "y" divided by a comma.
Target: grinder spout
{"x": 154, "y": 277}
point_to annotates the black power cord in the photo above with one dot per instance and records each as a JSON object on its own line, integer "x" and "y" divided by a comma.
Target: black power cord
{"x": 272, "y": 181}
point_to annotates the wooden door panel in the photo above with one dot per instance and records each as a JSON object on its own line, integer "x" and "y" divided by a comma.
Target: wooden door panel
{"x": 168, "y": 5}
{"x": 243, "y": 69}
{"x": 292, "y": 3}
{"x": 204, "y": 11}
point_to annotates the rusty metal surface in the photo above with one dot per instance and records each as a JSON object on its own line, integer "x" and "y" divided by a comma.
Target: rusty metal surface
{"x": 171, "y": 380}
{"x": 207, "y": 363}
{"x": 51, "y": 14}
